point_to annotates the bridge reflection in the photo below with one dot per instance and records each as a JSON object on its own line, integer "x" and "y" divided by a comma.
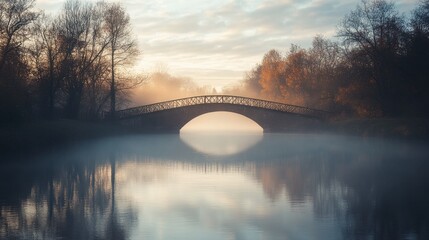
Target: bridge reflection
{"x": 220, "y": 143}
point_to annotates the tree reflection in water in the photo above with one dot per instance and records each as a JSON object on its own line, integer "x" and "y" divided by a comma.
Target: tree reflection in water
{"x": 57, "y": 198}
{"x": 376, "y": 191}
{"x": 371, "y": 189}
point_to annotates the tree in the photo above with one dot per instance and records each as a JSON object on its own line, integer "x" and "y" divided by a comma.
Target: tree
{"x": 251, "y": 80}
{"x": 271, "y": 77}
{"x": 45, "y": 55}
{"x": 355, "y": 94}
{"x": 72, "y": 61}
{"x": 416, "y": 60}
{"x": 74, "y": 23}
{"x": 376, "y": 29}
{"x": 297, "y": 84}
{"x": 325, "y": 58}
{"x": 122, "y": 46}
{"x": 83, "y": 43}
{"x": 420, "y": 18}
{"x": 65, "y": 68}
{"x": 15, "y": 19}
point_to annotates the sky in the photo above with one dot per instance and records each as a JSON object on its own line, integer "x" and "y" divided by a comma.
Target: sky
{"x": 214, "y": 43}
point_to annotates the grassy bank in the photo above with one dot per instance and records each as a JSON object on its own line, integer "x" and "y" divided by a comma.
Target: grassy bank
{"x": 408, "y": 128}
{"x": 44, "y": 135}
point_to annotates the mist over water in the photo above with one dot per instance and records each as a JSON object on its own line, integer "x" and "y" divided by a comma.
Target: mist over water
{"x": 281, "y": 186}
{"x": 221, "y": 143}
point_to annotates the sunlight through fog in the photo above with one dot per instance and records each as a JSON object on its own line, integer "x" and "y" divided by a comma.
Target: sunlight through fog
{"x": 221, "y": 122}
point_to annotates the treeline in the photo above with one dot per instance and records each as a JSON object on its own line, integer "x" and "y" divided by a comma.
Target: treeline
{"x": 379, "y": 68}
{"x": 68, "y": 65}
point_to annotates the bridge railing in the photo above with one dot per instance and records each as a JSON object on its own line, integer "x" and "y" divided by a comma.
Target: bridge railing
{"x": 220, "y": 99}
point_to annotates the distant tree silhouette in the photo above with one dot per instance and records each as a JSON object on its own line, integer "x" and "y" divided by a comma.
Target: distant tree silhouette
{"x": 380, "y": 68}
{"x": 416, "y": 60}
{"x": 271, "y": 77}
{"x": 376, "y": 29}
{"x": 16, "y": 17}
{"x": 71, "y": 60}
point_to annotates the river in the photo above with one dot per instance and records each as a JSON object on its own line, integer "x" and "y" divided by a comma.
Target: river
{"x": 219, "y": 186}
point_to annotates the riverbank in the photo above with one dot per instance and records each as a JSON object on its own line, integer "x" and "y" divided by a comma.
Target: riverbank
{"x": 404, "y": 128}
{"x": 30, "y": 137}
{"x": 39, "y": 136}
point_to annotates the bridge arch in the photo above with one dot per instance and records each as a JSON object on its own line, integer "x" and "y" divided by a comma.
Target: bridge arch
{"x": 221, "y": 121}
{"x": 248, "y": 112}
{"x": 171, "y": 116}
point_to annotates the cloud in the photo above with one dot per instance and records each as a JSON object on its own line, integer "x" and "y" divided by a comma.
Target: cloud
{"x": 194, "y": 37}
{"x": 234, "y": 35}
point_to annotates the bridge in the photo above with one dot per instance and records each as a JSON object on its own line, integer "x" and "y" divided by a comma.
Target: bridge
{"x": 171, "y": 116}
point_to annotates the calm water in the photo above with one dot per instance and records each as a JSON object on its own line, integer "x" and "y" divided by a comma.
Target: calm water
{"x": 272, "y": 186}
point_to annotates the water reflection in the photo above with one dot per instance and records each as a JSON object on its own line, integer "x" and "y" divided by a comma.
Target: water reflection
{"x": 156, "y": 187}
{"x": 221, "y": 143}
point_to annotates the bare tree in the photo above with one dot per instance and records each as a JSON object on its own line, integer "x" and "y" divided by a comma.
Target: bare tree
{"x": 416, "y": 61}
{"x": 45, "y": 56}
{"x": 324, "y": 59}
{"x": 420, "y": 18}
{"x": 376, "y": 28}
{"x": 123, "y": 48}
{"x": 15, "y": 18}
{"x": 83, "y": 43}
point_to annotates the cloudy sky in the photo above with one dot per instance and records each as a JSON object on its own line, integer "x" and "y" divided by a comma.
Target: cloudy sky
{"x": 215, "y": 42}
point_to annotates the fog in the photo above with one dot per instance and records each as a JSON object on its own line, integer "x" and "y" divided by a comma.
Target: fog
{"x": 221, "y": 121}
{"x": 162, "y": 86}
{"x": 281, "y": 186}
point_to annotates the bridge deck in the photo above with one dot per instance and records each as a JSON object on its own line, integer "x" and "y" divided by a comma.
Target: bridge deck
{"x": 220, "y": 99}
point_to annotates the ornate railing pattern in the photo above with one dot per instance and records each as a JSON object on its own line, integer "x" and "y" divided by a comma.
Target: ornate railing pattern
{"x": 220, "y": 99}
